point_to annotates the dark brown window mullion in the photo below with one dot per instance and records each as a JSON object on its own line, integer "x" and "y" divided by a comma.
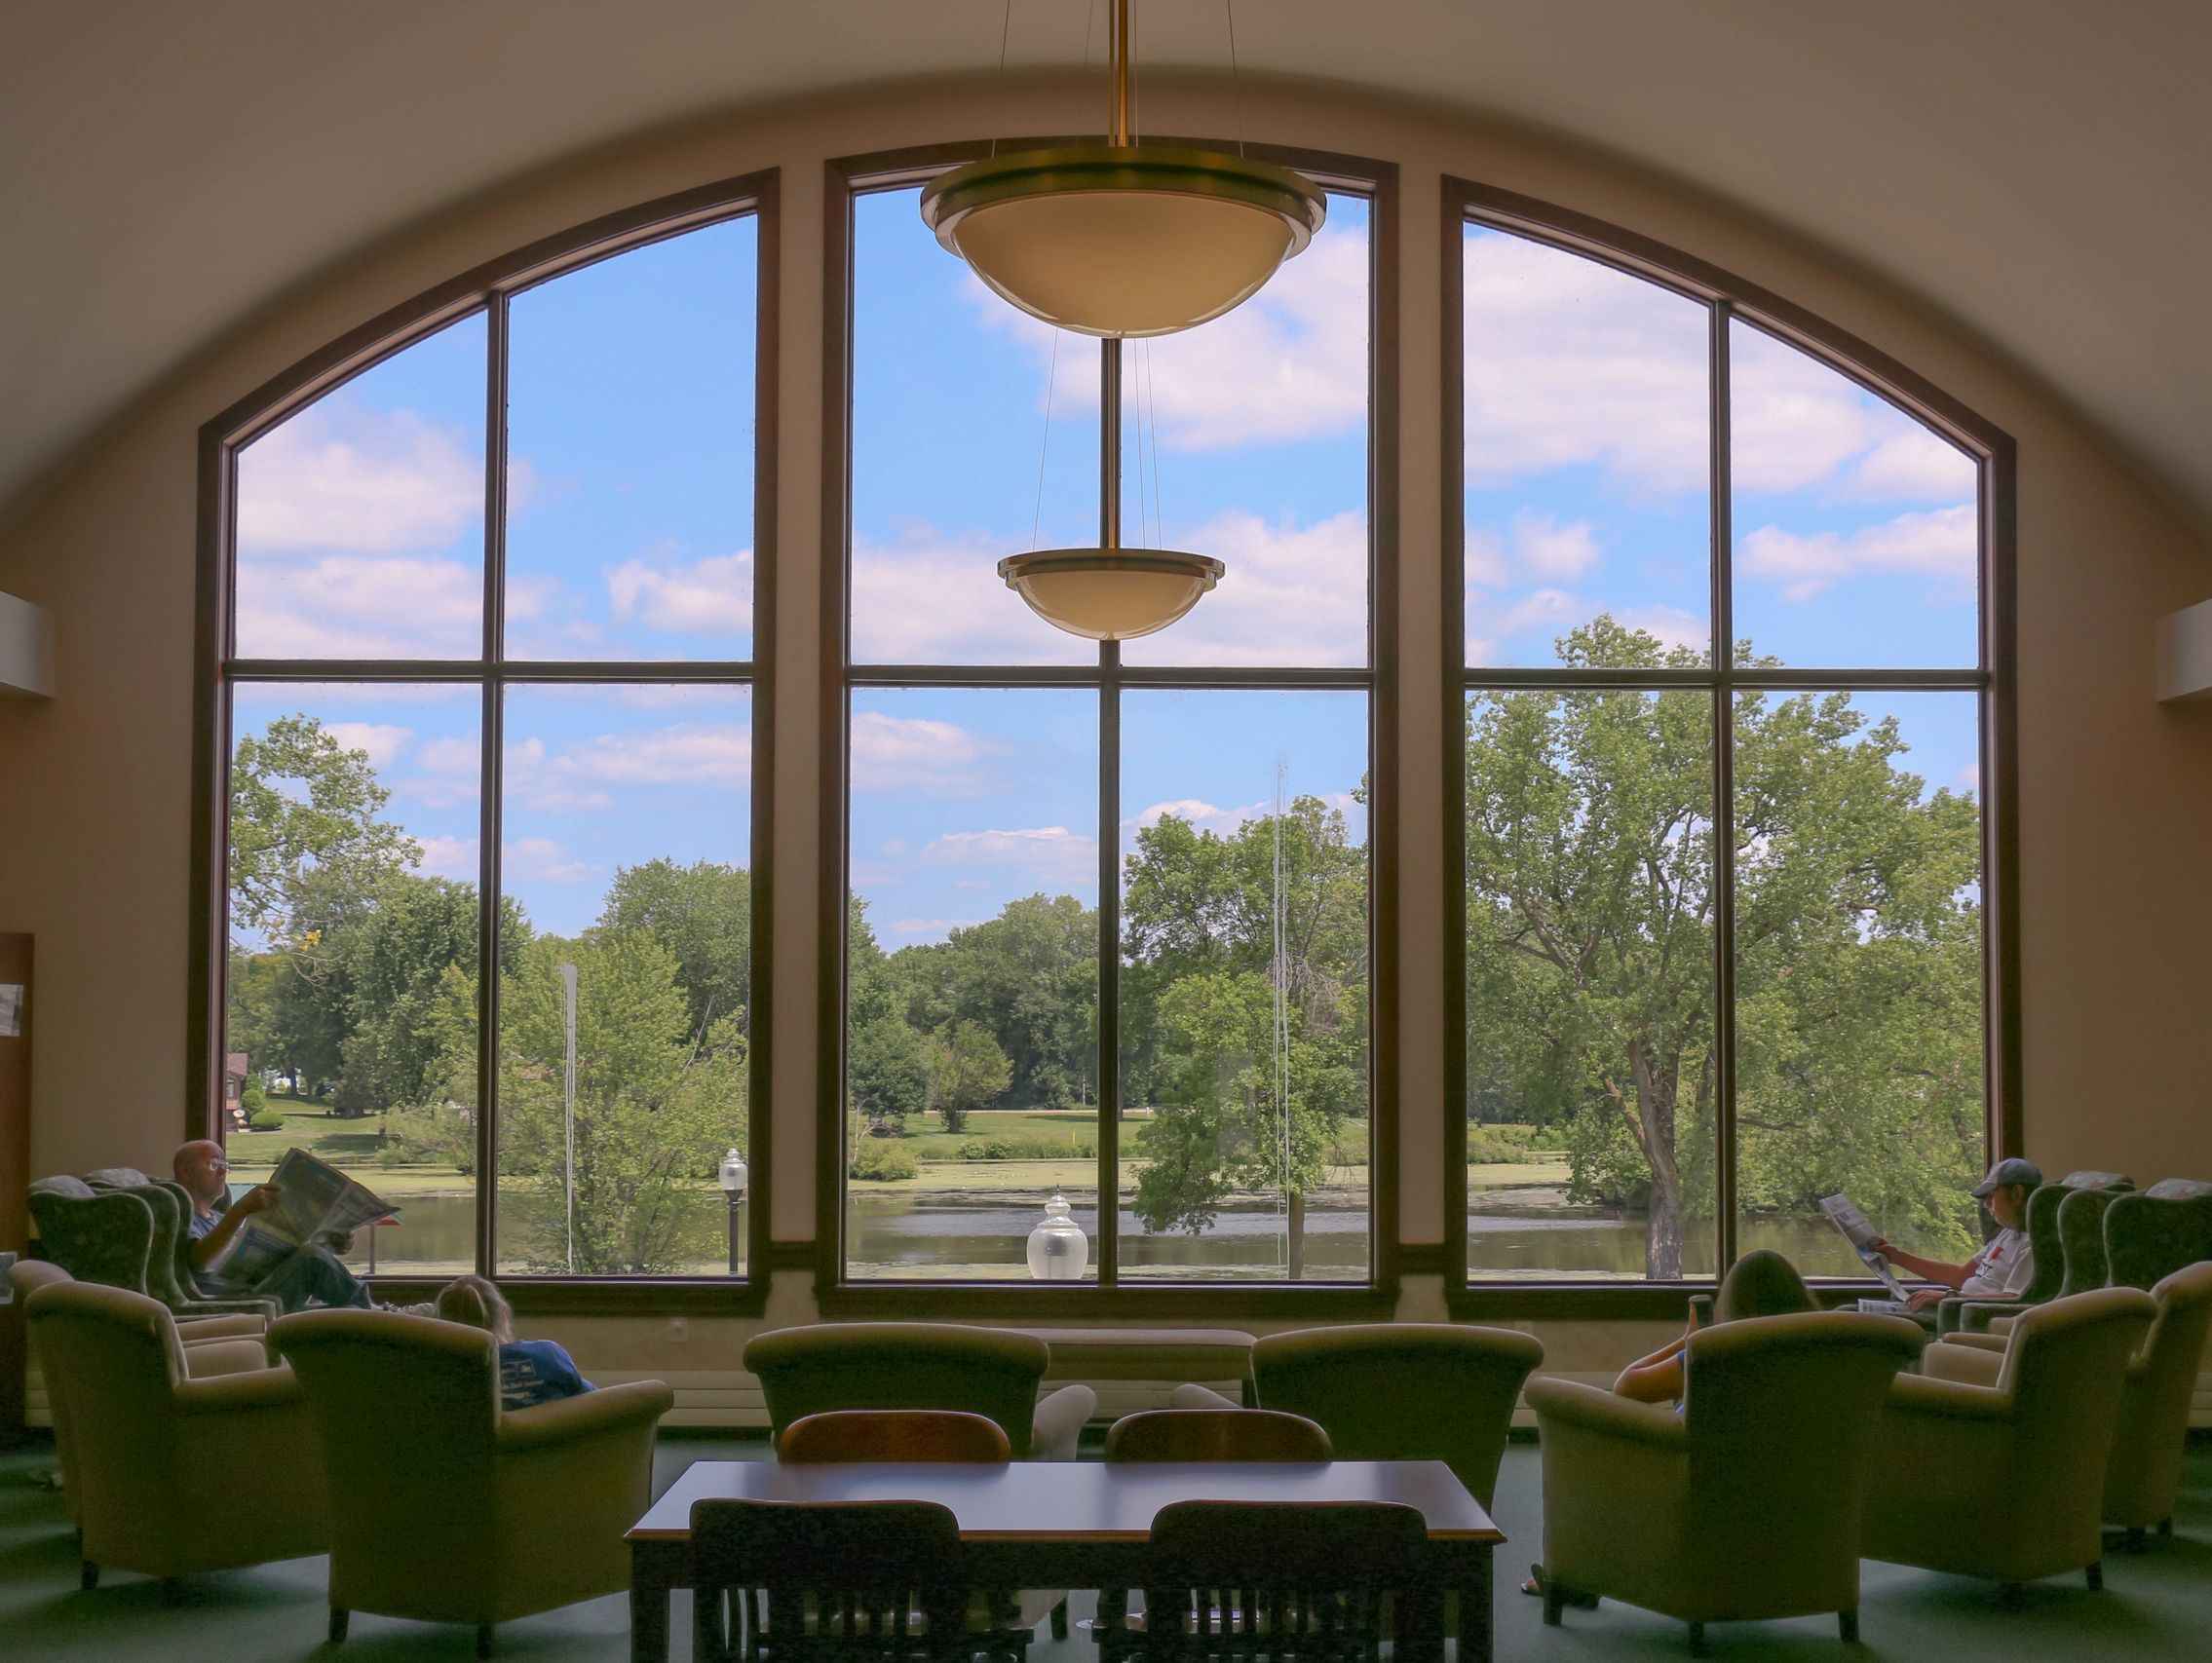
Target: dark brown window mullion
{"x": 1108, "y": 1062}
{"x": 1723, "y": 878}
{"x": 489, "y": 757}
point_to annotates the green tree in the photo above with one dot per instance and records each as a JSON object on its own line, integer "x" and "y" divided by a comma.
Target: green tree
{"x": 654, "y": 1110}
{"x": 307, "y": 835}
{"x": 1589, "y": 936}
{"x": 703, "y": 914}
{"x": 1029, "y": 977}
{"x": 1214, "y": 925}
{"x": 887, "y": 1072}
{"x": 966, "y": 1072}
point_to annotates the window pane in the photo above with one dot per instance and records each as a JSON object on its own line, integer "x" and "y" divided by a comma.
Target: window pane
{"x": 627, "y": 929}
{"x": 352, "y": 907}
{"x": 1859, "y": 1010}
{"x": 630, "y": 454}
{"x": 1246, "y": 439}
{"x": 361, "y": 519}
{"x": 971, "y": 978}
{"x": 1856, "y": 537}
{"x": 1589, "y": 1068}
{"x": 1245, "y": 988}
{"x": 951, "y": 391}
{"x": 1587, "y": 460}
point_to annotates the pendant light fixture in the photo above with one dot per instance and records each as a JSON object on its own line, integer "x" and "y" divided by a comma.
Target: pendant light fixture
{"x": 1110, "y": 594}
{"x": 1120, "y": 241}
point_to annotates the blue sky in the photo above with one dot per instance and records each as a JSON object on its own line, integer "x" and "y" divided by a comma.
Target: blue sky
{"x": 630, "y": 526}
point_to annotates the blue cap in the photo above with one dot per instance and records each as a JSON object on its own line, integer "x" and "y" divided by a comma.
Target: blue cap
{"x": 2012, "y": 1171}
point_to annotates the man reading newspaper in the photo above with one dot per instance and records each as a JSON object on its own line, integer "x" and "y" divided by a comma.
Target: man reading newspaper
{"x": 281, "y": 1240}
{"x": 1999, "y": 1272}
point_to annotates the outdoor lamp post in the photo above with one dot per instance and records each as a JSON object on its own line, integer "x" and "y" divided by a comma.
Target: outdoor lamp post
{"x": 733, "y": 1175}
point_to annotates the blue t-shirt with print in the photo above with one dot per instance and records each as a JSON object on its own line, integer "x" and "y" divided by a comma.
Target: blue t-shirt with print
{"x": 537, "y": 1371}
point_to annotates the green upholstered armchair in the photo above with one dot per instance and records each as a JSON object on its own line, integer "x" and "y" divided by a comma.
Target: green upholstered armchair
{"x": 169, "y": 1254}
{"x": 991, "y": 1372}
{"x": 1745, "y": 1506}
{"x": 448, "y": 1508}
{"x": 2149, "y": 1236}
{"x": 2005, "y": 1480}
{"x": 149, "y": 1431}
{"x": 1397, "y": 1390}
{"x": 1961, "y": 1315}
{"x": 96, "y": 1237}
{"x": 2144, "y": 1476}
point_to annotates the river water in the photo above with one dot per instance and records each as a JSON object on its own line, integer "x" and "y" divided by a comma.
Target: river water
{"x": 1516, "y": 1233}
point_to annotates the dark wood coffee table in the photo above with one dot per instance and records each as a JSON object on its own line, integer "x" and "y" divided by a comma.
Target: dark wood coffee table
{"x": 1071, "y": 1524}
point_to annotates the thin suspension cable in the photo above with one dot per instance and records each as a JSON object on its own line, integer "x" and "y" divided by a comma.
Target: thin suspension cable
{"x": 1052, "y": 380}
{"x": 1006, "y": 30}
{"x": 1152, "y": 411}
{"x": 1235, "y": 86}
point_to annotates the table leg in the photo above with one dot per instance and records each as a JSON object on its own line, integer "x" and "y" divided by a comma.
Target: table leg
{"x": 1476, "y": 1614}
{"x": 649, "y": 1584}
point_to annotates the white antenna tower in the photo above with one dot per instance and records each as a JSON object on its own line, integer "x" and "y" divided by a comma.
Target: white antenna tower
{"x": 1281, "y": 976}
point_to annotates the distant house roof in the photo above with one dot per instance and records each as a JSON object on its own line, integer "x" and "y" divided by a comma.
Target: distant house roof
{"x": 234, "y": 1065}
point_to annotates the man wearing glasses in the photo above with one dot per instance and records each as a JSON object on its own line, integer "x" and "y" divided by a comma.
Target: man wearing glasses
{"x": 312, "y": 1276}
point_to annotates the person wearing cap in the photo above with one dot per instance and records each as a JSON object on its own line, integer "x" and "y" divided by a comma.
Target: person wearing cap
{"x": 2007, "y": 1262}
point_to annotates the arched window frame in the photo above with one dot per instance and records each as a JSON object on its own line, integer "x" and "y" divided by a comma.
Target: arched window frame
{"x": 488, "y": 288}
{"x": 1994, "y": 677}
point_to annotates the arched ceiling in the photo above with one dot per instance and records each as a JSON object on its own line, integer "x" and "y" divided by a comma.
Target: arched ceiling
{"x": 2035, "y": 168}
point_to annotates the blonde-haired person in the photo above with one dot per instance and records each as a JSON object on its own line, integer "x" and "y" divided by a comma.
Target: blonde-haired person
{"x": 530, "y": 1371}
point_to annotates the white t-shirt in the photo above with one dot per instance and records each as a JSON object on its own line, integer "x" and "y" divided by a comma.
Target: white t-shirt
{"x": 2002, "y": 1267}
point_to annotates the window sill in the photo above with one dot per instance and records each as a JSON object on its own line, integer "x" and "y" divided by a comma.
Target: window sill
{"x": 1029, "y": 1302}
{"x": 1609, "y": 1301}
{"x": 602, "y": 1296}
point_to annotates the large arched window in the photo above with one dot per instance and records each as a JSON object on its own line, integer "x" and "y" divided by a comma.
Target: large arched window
{"x": 1113, "y": 919}
{"x": 1729, "y": 646}
{"x": 490, "y": 692}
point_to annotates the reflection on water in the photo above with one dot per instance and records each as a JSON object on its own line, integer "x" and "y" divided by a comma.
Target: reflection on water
{"x": 912, "y": 1236}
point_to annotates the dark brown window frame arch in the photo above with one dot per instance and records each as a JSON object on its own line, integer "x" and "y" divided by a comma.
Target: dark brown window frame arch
{"x": 489, "y": 288}
{"x": 1728, "y": 297}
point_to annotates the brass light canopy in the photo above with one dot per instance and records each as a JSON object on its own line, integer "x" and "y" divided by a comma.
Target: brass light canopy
{"x": 1118, "y": 241}
{"x": 1110, "y": 595}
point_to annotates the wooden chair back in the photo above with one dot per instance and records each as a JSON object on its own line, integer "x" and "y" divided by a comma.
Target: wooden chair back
{"x": 893, "y": 1435}
{"x": 1216, "y": 1435}
{"x": 839, "y": 1581}
{"x": 1242, "y": 1579}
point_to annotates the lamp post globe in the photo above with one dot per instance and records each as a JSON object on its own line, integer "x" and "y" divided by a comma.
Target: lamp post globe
{"x": 732, "y": 1175}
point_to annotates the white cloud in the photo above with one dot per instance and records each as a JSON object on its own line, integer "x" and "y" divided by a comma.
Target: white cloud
{"x": 1969, "y": 779}
{"x": 382, "y": 741}
{"x": 690, "y": 753}
{"x": 342, "y": 477}
{"x": 922, "y": 755}
{"x": 1052, "y": 853}
{"x": 453, "y": 756}
{"x": 543, "y": 860}
{"x": 940, "y": 600}
{"x": 1548, "y": 549}
{"x": 1673, "y": 626}
{"x": 1940, "y": 544}
{"x": 450, "y": 857}
{"x": 1292, "y": 594}
{"x": 1915, "y": 466}
{"x": 1226, "y": 822}
{"x": 1569, "y": 361}
{"x": 360, "y": 606}
{"x": 713, "y": 597}
{"x": 1793, "y": 422}
{"x": 1289, "y": 364}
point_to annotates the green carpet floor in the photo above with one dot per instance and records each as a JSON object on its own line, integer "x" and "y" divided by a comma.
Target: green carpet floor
{"x": 2152, "y": 1604}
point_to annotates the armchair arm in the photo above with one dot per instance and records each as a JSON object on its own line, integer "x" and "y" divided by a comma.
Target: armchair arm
{"x": 1947, "y": 1399}
{"x": 1202, "y": 1397}
{"x": 212, "y": 1358}
{"x": 1968, "y": 1364}
{"x": 1997, "y": 1342}
{"x": 228, "y": 1394}
{"x": 1057, "y": 1424}
{"x": 195, "y": 1330}
{"x": 1961, "y": 1315}
{"x": 569, "y": 1419}
{"x": 1591, "y": 1408}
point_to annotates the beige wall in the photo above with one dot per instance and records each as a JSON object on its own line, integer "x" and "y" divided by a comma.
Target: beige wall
{"x": 2116, "y": 791}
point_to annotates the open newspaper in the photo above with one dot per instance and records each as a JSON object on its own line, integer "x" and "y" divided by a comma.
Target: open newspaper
{"x": 1844, "y": 1215}
{"x": 315, "y": 1204}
